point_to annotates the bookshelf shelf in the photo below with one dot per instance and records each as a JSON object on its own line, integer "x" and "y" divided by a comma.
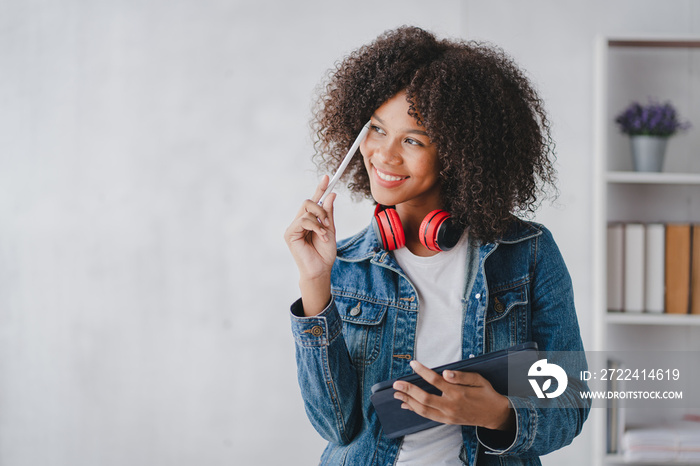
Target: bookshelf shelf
{"x": 653, "y": 178}
{"x": 621, "y": 318}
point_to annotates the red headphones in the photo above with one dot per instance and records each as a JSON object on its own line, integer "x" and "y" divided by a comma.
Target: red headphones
{"x": 437, "y": 231}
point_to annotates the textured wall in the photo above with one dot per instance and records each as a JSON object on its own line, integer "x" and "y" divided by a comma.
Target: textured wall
{"x": 151, "y": 155}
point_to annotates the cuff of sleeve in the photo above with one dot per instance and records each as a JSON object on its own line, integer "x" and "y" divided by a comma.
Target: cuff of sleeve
{"x": 508, "y": 443}
{"x": 319, "y": 330}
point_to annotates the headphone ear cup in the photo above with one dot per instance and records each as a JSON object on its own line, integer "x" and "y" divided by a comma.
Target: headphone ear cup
{"x": 388, "y": 229}
{"x": 437, "y": 232}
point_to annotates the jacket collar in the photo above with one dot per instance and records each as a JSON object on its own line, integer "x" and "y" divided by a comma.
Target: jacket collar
{"x": 365, "y": 245}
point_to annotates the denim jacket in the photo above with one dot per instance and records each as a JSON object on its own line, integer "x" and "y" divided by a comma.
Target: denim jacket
{"x": 521, "y": 292}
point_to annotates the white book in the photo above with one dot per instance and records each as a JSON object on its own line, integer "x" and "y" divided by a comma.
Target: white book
{"x": 615, "y": 266}
{"x": 655, "y": 258}
{"x": 634, "y": 268}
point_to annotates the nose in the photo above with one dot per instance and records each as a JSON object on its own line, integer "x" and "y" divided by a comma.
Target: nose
{"x": 385, "y": 151}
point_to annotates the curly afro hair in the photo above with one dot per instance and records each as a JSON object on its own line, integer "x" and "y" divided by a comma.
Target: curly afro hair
{"x": 485, "y": 119}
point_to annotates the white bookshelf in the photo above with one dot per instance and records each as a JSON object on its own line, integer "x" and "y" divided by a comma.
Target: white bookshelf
{"x": 627, "y": 69}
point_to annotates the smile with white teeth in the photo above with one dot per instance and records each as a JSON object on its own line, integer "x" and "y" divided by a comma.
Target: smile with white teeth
{"x": 387, "y": 177}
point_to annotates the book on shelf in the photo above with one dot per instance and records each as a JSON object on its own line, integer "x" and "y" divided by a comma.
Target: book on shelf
{"x": 615, "y": 411}
{"x": 675, "y": 442}
{"x": 653, "y": 268}
{"x": 678, "y": 242}
{"x": 634, "y": 267}
{"x": 615, "y": 266}
{"x": 695, "y": 271}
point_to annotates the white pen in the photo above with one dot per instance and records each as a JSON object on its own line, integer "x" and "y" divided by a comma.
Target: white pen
{"x": 346, "y": 161}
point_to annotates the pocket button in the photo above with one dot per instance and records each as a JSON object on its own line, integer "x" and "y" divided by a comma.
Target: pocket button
{"x": 498, "y": 305}
{"x": 356, "y": 311}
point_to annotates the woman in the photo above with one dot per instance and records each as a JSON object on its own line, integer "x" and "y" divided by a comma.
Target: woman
{"x": 456, "y": 129}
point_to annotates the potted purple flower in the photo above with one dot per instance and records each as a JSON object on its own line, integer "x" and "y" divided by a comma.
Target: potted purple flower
{"x": 649, "y": 127}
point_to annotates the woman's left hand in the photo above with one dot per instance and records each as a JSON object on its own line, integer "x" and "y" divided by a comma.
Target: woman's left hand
{"x": 467, "y": 399}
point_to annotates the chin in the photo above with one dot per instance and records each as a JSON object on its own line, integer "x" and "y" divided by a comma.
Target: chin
{"x": 384, "y": 198}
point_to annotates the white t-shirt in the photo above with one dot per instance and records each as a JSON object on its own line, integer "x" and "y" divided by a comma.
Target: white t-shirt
{"x": 440, "y": 283}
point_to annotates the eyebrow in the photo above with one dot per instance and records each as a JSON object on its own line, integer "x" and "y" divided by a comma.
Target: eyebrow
{"x": 413, "y": 131}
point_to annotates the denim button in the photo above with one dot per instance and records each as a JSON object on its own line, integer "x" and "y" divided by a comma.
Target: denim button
{"x": 356, "y": 311}
{"x": 316, "y": 331}
{"x": 498, "y": 306}
{"x": 477, "y": 296}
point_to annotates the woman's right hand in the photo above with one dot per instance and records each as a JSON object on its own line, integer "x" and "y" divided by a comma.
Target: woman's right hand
{"x": 311, "y": 240}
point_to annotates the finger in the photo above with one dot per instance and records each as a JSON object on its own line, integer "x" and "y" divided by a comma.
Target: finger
{"x": 422, "y": 403}
{"x": 430, "y": 376}
{"x": 319, "y": 212}
{"x": 406, "y": 391}
{"x": 471, "y": 379}
{"x": 309, "y": 223}
{"x": 417, "y": 393}
{"x": 321, "y": 188}
{"x": 329, "y": 207}
{"x": 425, "y": 411}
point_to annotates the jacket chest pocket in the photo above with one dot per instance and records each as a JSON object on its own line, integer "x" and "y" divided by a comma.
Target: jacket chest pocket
{"x": 507, "y": 321}
{"x": 362, "y": 328}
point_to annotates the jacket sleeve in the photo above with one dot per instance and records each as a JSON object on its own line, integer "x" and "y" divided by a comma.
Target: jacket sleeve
{"x": 545, "y": 425}
{"x": 327, "y": 377}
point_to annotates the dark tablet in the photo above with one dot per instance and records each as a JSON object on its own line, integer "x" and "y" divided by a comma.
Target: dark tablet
{"x": 506, "y": 370}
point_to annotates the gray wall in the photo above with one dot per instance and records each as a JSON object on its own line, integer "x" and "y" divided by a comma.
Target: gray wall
{"x": 151, "y": 155}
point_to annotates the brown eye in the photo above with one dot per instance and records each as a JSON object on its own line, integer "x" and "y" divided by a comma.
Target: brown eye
{"x": 413, "y": 142}
{"x": 377, "y": 129}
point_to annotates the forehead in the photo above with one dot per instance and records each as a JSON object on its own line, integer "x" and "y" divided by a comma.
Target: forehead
{"x": 394, "y": 113}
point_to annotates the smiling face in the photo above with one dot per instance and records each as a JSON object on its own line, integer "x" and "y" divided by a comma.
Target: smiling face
{"x": 401, "y": 161}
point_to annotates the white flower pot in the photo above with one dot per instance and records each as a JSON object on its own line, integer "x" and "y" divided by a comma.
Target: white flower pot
{"x": 648, "y": 152}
